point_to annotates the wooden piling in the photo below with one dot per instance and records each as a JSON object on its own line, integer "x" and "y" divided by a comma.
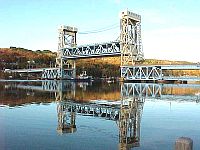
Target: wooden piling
{"x": 184, "y": 143}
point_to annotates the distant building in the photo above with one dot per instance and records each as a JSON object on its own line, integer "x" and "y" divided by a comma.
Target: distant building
{"x": 12, "y": 47}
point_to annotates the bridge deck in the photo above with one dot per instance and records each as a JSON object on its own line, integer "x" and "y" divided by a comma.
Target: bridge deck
{"x": 182, "y": 78}
{"x": 181, "y": 67}
{"x": 35, "y": 70}
{"x": 169, "y": 67}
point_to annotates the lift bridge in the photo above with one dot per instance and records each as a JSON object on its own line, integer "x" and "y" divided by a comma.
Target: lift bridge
{"x": 129, "y": 47}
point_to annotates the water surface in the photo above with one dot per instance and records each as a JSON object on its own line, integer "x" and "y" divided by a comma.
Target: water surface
{"x": 67, "y": 115}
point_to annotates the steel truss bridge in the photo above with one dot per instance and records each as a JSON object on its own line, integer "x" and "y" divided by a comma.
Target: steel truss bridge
{"x": 156, "y": 72}
{"x": 129, "y": 47}
{"x": 90, "y": 51}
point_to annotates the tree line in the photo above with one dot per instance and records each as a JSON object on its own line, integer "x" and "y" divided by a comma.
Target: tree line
{"x": 20, "y": 58}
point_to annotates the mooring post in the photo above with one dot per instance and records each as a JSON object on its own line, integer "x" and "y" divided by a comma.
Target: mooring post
{"x": 184, "y": 143}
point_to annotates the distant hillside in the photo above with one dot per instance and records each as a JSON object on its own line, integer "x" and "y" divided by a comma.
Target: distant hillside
{"x": 110, "y": 66}
{"x": 14, "y": 58}
{"x": 117, "y": 61}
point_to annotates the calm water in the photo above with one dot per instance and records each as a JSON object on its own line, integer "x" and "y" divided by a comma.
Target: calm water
{"x": 97, "y": 116}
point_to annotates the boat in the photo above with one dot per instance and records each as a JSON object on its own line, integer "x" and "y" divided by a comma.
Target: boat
{"x": 84, "y": 77}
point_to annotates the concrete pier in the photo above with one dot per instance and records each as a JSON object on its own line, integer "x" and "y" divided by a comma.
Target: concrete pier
{"x": 184, "y": 143}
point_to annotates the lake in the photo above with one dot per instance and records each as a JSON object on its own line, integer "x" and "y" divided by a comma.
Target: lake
{"x": 57, "y": 115}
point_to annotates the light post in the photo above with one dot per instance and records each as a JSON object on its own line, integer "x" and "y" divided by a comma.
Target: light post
{"x": 33, "y": 62}
{"x": 28, "y": 64}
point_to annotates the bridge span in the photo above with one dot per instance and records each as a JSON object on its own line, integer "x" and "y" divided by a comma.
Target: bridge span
{"x": 129, "y": 47}
{"x": 156, "y": 72}
{"x": 93, "y": 50}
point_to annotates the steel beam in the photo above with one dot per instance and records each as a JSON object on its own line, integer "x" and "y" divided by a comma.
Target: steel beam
{"x": 141, "y": 72}
{"x": 93, "y": 50}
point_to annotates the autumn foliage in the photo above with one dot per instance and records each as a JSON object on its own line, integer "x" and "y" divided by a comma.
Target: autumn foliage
{"x": 20, "y": 58}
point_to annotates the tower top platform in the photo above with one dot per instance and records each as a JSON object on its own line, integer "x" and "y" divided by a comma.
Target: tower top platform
{"x": 68, "y": 28}
{"x": 130, "y": 15}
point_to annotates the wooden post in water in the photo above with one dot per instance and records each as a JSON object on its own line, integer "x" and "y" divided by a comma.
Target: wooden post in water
{"x": 184, "y": 143}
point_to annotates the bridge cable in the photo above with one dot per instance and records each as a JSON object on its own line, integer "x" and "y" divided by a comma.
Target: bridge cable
{"x": 100, "y": 30}
{"x": 103, "y": 28}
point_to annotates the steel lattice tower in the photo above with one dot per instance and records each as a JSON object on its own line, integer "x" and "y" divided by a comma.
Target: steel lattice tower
{"x": 130, "y": 40}
{"x": 66, "y": 39}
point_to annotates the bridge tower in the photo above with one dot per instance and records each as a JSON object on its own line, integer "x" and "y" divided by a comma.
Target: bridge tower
{"x": 66, "y": 39}
{"x": 130, "y": 40}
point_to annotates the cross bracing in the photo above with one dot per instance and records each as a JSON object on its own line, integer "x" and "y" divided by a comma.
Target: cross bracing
{"x": 56, "y": 73}
{"x": 156, "y": 72}
{"x": 141, "y": 72}
{"x": 130, "y": 38}
{"x": 93, "y": 50}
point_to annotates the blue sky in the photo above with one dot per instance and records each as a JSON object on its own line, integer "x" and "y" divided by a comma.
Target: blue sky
{"x": 170, "y": 28}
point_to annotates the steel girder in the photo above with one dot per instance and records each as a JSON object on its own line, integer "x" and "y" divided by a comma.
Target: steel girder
{"x": 51, "y": 73}
{"x": 88, "y": 51}
{"x": 141, "y": 72}
{"x": 55, "y": 73}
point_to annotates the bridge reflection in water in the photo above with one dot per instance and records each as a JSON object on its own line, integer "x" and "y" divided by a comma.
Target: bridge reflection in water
{"x": 126, "y": 111}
